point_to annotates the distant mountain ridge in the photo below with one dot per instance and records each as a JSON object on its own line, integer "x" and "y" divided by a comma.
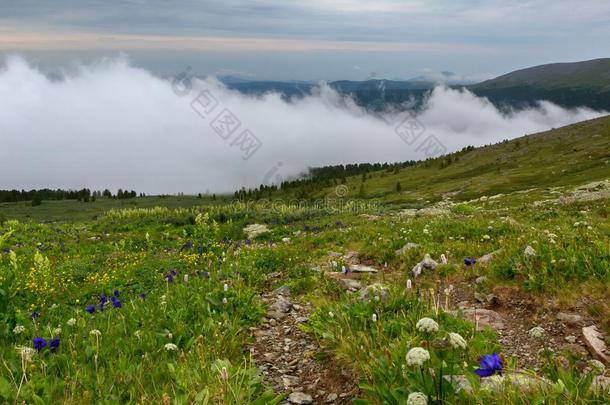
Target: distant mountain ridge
{"x": 570, "y": 85}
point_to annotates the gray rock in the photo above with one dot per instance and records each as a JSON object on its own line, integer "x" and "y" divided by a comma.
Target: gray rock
{"x": 595, "y": 343}
{"x": 360, "y": 268}
{"x": 300, "y": 398}
{"x": 482, "y": 298}
{"x": 332, "y": 397}
{"x": 480, "y": 280}
{"x": 484, "y": 318}
{"x": 281, "y": 304}
{"x": 283, "y": 290}
{"x": 405, "y": 248}
{"x": 571, "y": 339}
{"x": 487, "y": 258}
{"x": 427, "y": 264}
{"x": 570, "y": 319}
{"x": 374, "y": 290}
{"x": 350, "y": 284}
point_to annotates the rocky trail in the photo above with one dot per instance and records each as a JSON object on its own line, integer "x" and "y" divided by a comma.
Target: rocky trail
{"x": 287, "y": 356}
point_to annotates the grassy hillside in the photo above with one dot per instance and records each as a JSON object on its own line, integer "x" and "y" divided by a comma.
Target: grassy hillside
{"x": 592, "y": 74}
{"x": 567, "y": 84}
{"x": 566, "y": 156}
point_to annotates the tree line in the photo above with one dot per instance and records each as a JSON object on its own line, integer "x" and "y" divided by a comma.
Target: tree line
{"x": 85, "y": 194}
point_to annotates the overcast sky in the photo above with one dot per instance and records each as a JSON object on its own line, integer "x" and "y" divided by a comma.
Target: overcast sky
{"x": 310, "y": 40}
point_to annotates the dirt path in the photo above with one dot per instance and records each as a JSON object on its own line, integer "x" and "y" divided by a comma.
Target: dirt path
{"x": 287, "y": 357}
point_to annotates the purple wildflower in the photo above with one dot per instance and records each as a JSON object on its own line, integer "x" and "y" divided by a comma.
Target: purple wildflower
{"x": 116, "y": 292}
{"x": 469, "y": 262}
{"x": 143, "y": 295}
{"x": 490, "y": 364}
{"x": 39, "y": 343}
{"x": 54, "y": 344}
{"x": 91, "y": 308}
{"x": 103, "y": 299}
{"x": 35, "y": 314}
{"x": 115, "y": 302}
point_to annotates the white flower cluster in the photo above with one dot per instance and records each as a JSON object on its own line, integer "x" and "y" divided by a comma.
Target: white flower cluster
{"x": 19, "y": 329}
{"x": 427, "y": 325}
{"x": 27, "y": 353}
{"x": 417, "y": 356}
{"x": 417, "y": 398}
{"x": 170, "y": 347}
{"x": 95, "y": 332}
{"x": 71, "y": 322}
{"x": 597, "y": 367}
{"x": 457, "y": 341}
{"x": 536, "y": 332}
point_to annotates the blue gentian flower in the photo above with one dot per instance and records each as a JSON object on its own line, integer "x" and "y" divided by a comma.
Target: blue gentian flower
{"x": 39, "y": 343}
{"x": 187, "y": 245}
{"x": 206, "y": 274}
{"x": 248, "y": 242}
{"x": 101, "y": 306}
{"x": 91, "y": 308}
{"x": 173, "y": 272}
{"x": 316, "y": 229}
{"x": 35, "y": 314}
{"x": 54, "y": 344}
{"x": 116, "y": 293}
{"x": 338, "y": 223}
{"x": 306, "y": 228}
{"x": 103, "y": 299}
{"x": 490, "y": 364}
{"x": 469, "y": 262}
{"x": 143, "y": 295}
{"x": 116, "y": 302}
{"x": 345, "y": 270}
{"x": 169, "y": 277}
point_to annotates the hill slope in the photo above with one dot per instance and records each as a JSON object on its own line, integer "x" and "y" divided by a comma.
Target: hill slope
{"x": 571, "y": 155}
{"x": 567, "y": 84}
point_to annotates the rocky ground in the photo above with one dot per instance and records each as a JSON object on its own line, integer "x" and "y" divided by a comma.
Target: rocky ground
{"x": 287, "y": 356}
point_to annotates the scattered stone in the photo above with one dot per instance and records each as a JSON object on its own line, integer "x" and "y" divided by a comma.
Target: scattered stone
{"x": 570, "y": 319}
{"x": 427, "y": 264}
{"x": 332, "y": 397}
{"x": 370, "y": 217}
{"x": 360, "y": 268}
{"x": 374, "y": 290}
{"x": 571, "y": 339}
{"x": 281, "y": 305}
{"x": 595, "y": 343}
{"x": 487, "y": 258}
{"x": 482, "y": 298}
{"x": 335, "y": 254}
{"x": 350, "y": 284}
{"x": 484, "y": 318}
{"x": 405, "y": 248}
{"x": 574, "y": 349}
{"x": 600, "y": 383}
{"x": 480, "y": 279}
{"x": 283, "y": 290}
{"x": 300, "y": 398}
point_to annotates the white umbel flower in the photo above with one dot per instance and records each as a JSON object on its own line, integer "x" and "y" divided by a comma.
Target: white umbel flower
{"x": 417, "y": 356}
{"x": 95, "y": 332}
{"x": 417, "y": 398}
{"x": 56, "y": 331}
{"x": 536, "y": 332}
{"x": 427, "y": 325}
{"x": 170, "y": 347}
{"x": 71, "y": 322}
{"x": 457, "y": 341}
{"x": 597, "y": 367}
{"x": 19, "y": 329}
{"x": 27, "y": 353}
{"x": 529, "y": 251}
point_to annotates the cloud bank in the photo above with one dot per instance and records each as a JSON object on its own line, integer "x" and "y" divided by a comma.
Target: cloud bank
{"x": 111, "y": 125}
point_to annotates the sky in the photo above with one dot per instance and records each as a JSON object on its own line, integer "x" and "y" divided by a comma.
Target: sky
{"x": 138, "y": 105}
{"x": 309, "y": 40}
